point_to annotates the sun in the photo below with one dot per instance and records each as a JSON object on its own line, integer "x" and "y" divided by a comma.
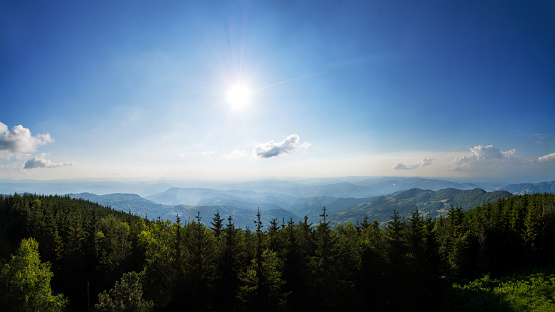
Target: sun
{"x": 239, "y": 96}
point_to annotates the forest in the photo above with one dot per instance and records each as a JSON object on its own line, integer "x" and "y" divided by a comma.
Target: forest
{"x": 63, "y": 254}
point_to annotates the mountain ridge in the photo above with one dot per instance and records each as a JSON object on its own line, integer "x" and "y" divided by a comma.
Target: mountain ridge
{"x": 435, "y": 203}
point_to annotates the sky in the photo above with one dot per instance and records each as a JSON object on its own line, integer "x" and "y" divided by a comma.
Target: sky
{"x": 235, "y": 90}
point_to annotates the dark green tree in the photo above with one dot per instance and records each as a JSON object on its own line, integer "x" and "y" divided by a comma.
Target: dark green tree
{"x": 201, "y": 267}
{"x": 228, "y": 266}
{"x": 261, "y": 282}
{"x": 324, "y": 268}
{"x": 217, "y": 224}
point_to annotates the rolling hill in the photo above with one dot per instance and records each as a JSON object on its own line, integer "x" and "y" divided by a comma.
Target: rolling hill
{"x": 345, "y": 200}
{"x": 434, "y": 202}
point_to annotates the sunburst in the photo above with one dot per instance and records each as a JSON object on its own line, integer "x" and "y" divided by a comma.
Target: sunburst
{"x": 239, "y": 96}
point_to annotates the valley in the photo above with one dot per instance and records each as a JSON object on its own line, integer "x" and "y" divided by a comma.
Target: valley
{"x": 345, "y": 201}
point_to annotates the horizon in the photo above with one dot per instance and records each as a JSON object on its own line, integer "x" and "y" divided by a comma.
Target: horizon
{"x": 300, "y": 180}
{"x": 262, "y": 90}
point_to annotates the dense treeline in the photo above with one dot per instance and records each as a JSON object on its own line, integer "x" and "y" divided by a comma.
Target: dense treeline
{"x": 111, "y": 260}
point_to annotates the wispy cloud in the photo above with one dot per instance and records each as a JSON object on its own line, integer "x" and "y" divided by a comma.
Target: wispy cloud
{"x": 546, "y": 158}
{"x": 236, "y": 154}
{"x": 20, "y": 140}
{"x": 41, "y": 162}
{"x": 272, "y": 149}
{"x": 425, "y": 162}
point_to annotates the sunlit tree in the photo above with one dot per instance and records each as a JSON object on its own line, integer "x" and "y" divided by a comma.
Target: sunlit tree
{"x": 25, "y": 282}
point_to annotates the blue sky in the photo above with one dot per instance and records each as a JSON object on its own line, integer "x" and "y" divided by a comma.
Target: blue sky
{"x": 140, "y": 90}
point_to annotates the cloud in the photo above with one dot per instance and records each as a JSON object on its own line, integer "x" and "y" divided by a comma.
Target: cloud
{"x": 236, "y": 154}
{"x": 20, "y": 140}
{"x": 481, "y": 153}
{"x": 21, "y": 156}
{"x": 271, "y": 149}
{"x": 547, "y": 158}
{"x": 41, "y": 162}
{"x": 425, "y": 162}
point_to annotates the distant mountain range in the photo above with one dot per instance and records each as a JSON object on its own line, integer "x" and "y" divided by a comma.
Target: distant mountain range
{"x": 241, "y": 216}
{"x": 435, "y": 203}
{"x": 129, "y": 202}
{"x": 529, "y": 188}
{"x": 345, "y": 199}
{"x": 211, "y": 197}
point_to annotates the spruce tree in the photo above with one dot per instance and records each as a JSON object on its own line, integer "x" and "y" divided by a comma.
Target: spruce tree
{"x": 217, "y": 224}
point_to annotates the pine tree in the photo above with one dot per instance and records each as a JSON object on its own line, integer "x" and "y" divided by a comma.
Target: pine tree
{"x": 534, "y": 228}
{"x": 324, "y": 267}
{"x": 294, "y": 266}
{"x": 217, "y": 224}
{"x": 273, "y": 238}
{"x": 201, "y": 247}
{"x": 227, "y": 268}
{"x": 262, "y": 283}
{"x": 373, "y": 265}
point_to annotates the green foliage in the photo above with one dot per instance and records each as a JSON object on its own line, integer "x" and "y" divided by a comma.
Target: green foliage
{"x": 409, "y": 264}
{"x": 262, "y": 285}
{"x": 162, "y": 272}
{"x": 125, "y": 296}
{"x": 25, "y": 282}
{"x": 526, "y": 292}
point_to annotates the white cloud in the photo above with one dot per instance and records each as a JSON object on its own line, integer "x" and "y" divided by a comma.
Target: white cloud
{"x": 546, "y": 158}
{"x": 509, "y": 153}
{"x": 481, "y": 153}
{"x": 271, "y": 149}
{"x": 41, "y": 162}
{"x": 425, "y": 162}
{"x": 20, "y": 140}
{"x": 236, "y": 154}
{"x": 22, "y": 156}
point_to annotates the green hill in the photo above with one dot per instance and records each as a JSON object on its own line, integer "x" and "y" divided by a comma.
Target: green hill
{"x": 434, "y": 202}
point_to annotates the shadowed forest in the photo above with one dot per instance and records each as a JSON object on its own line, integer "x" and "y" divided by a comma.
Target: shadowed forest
{"x": 59, "y": 253}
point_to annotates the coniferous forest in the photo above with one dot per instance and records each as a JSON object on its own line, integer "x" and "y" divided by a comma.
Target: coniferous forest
{"x": 59, "y": 253}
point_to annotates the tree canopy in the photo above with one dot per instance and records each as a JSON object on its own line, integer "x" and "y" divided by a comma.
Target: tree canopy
{"x": 111, "y": 260}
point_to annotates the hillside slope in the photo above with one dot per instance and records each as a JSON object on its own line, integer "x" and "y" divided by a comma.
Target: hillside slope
{"x": 529, "y": 188}
{"x": 434, "y": 202}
